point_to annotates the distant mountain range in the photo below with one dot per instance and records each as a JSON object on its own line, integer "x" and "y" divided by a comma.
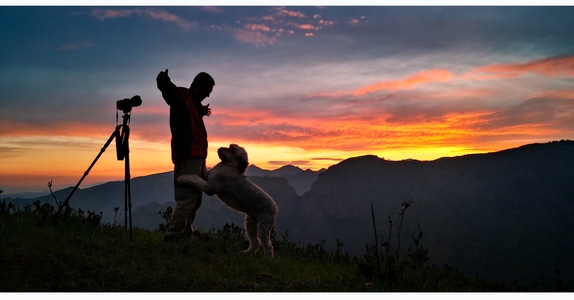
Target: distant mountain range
{"x": 297, "y": 178}
{"x": 506, "y": 215}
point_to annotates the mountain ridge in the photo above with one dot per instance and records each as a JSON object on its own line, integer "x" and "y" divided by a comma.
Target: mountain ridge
{"x": 510, "y": 208}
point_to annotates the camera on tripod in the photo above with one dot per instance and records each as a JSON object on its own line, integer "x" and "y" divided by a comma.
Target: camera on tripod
{"x": 127, "y": 104}
{"x": 121, "y": 134}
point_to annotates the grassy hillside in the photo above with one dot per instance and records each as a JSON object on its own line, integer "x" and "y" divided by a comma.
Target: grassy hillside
{"x": 40, "y": 253}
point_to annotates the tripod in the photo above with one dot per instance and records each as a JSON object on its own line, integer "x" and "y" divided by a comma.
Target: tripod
{"x": 121, "y": 134}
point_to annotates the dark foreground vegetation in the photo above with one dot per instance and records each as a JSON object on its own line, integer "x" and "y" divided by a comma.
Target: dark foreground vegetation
{"x": 41, "y": 252}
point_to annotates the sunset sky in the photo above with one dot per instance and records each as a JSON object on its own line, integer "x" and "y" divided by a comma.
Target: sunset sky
{"x": 307, "y": 86}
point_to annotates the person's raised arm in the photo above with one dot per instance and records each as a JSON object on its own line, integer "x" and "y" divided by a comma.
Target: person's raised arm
{"x": 166, "y": 87}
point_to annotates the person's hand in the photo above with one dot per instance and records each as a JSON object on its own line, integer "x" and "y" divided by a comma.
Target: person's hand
{"x": 206, "y": 110}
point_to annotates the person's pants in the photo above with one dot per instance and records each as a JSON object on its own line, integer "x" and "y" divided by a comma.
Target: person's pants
{"x": 187, "y": 198}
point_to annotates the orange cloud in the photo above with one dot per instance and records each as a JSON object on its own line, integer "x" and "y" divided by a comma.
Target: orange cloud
{"x": 49, "y": 129}
{"x": 350, "y": 133}
{"x": 423, "y": 77}
{"x": 307, "y": 27}
{"x": 551, "y": 67}
{"x": 140, "y": 128}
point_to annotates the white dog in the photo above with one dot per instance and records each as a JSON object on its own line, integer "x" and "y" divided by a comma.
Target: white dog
{"x": 228, "y": 181}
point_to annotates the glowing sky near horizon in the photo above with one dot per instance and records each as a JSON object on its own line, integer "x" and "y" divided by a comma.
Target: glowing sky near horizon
{"x": 307, "y": 86}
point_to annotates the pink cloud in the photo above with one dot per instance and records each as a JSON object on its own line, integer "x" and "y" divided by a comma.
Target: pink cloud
{"x": 326, "y": 23}
{"x": 280, "y": 21}
{"x": 256, "y": 38}
{"x": 307, "y": 27}
{"x": 260, "y": 27}
{"x": 290, "y": 13}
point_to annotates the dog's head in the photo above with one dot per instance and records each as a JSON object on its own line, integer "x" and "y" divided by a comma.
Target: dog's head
{"x": 234, "y": 156}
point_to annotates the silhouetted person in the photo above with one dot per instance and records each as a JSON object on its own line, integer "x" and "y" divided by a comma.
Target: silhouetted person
{"x": 188, "y": 145}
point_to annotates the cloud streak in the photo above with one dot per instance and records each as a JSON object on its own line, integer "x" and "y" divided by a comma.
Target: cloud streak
{"x": 562, "y": 66}
{"x": 423, "y": 77}
{"x": 155, "y": 14}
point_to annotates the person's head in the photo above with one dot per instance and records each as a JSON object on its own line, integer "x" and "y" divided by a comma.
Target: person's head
{"x": 202, "y": 86}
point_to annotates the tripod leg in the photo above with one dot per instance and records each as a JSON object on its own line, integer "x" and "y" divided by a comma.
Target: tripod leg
{"x": 129, "y": 193}
{"x": 127, "y": 184}
{"x": 66, "y": 202}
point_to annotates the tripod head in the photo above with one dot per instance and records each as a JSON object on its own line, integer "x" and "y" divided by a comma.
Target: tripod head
{"x": 122, "y": 132}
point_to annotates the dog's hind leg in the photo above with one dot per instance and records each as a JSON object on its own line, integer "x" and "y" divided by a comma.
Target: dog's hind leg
{"x": 264, "y": 227}
{"x": 251, "y": 231}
